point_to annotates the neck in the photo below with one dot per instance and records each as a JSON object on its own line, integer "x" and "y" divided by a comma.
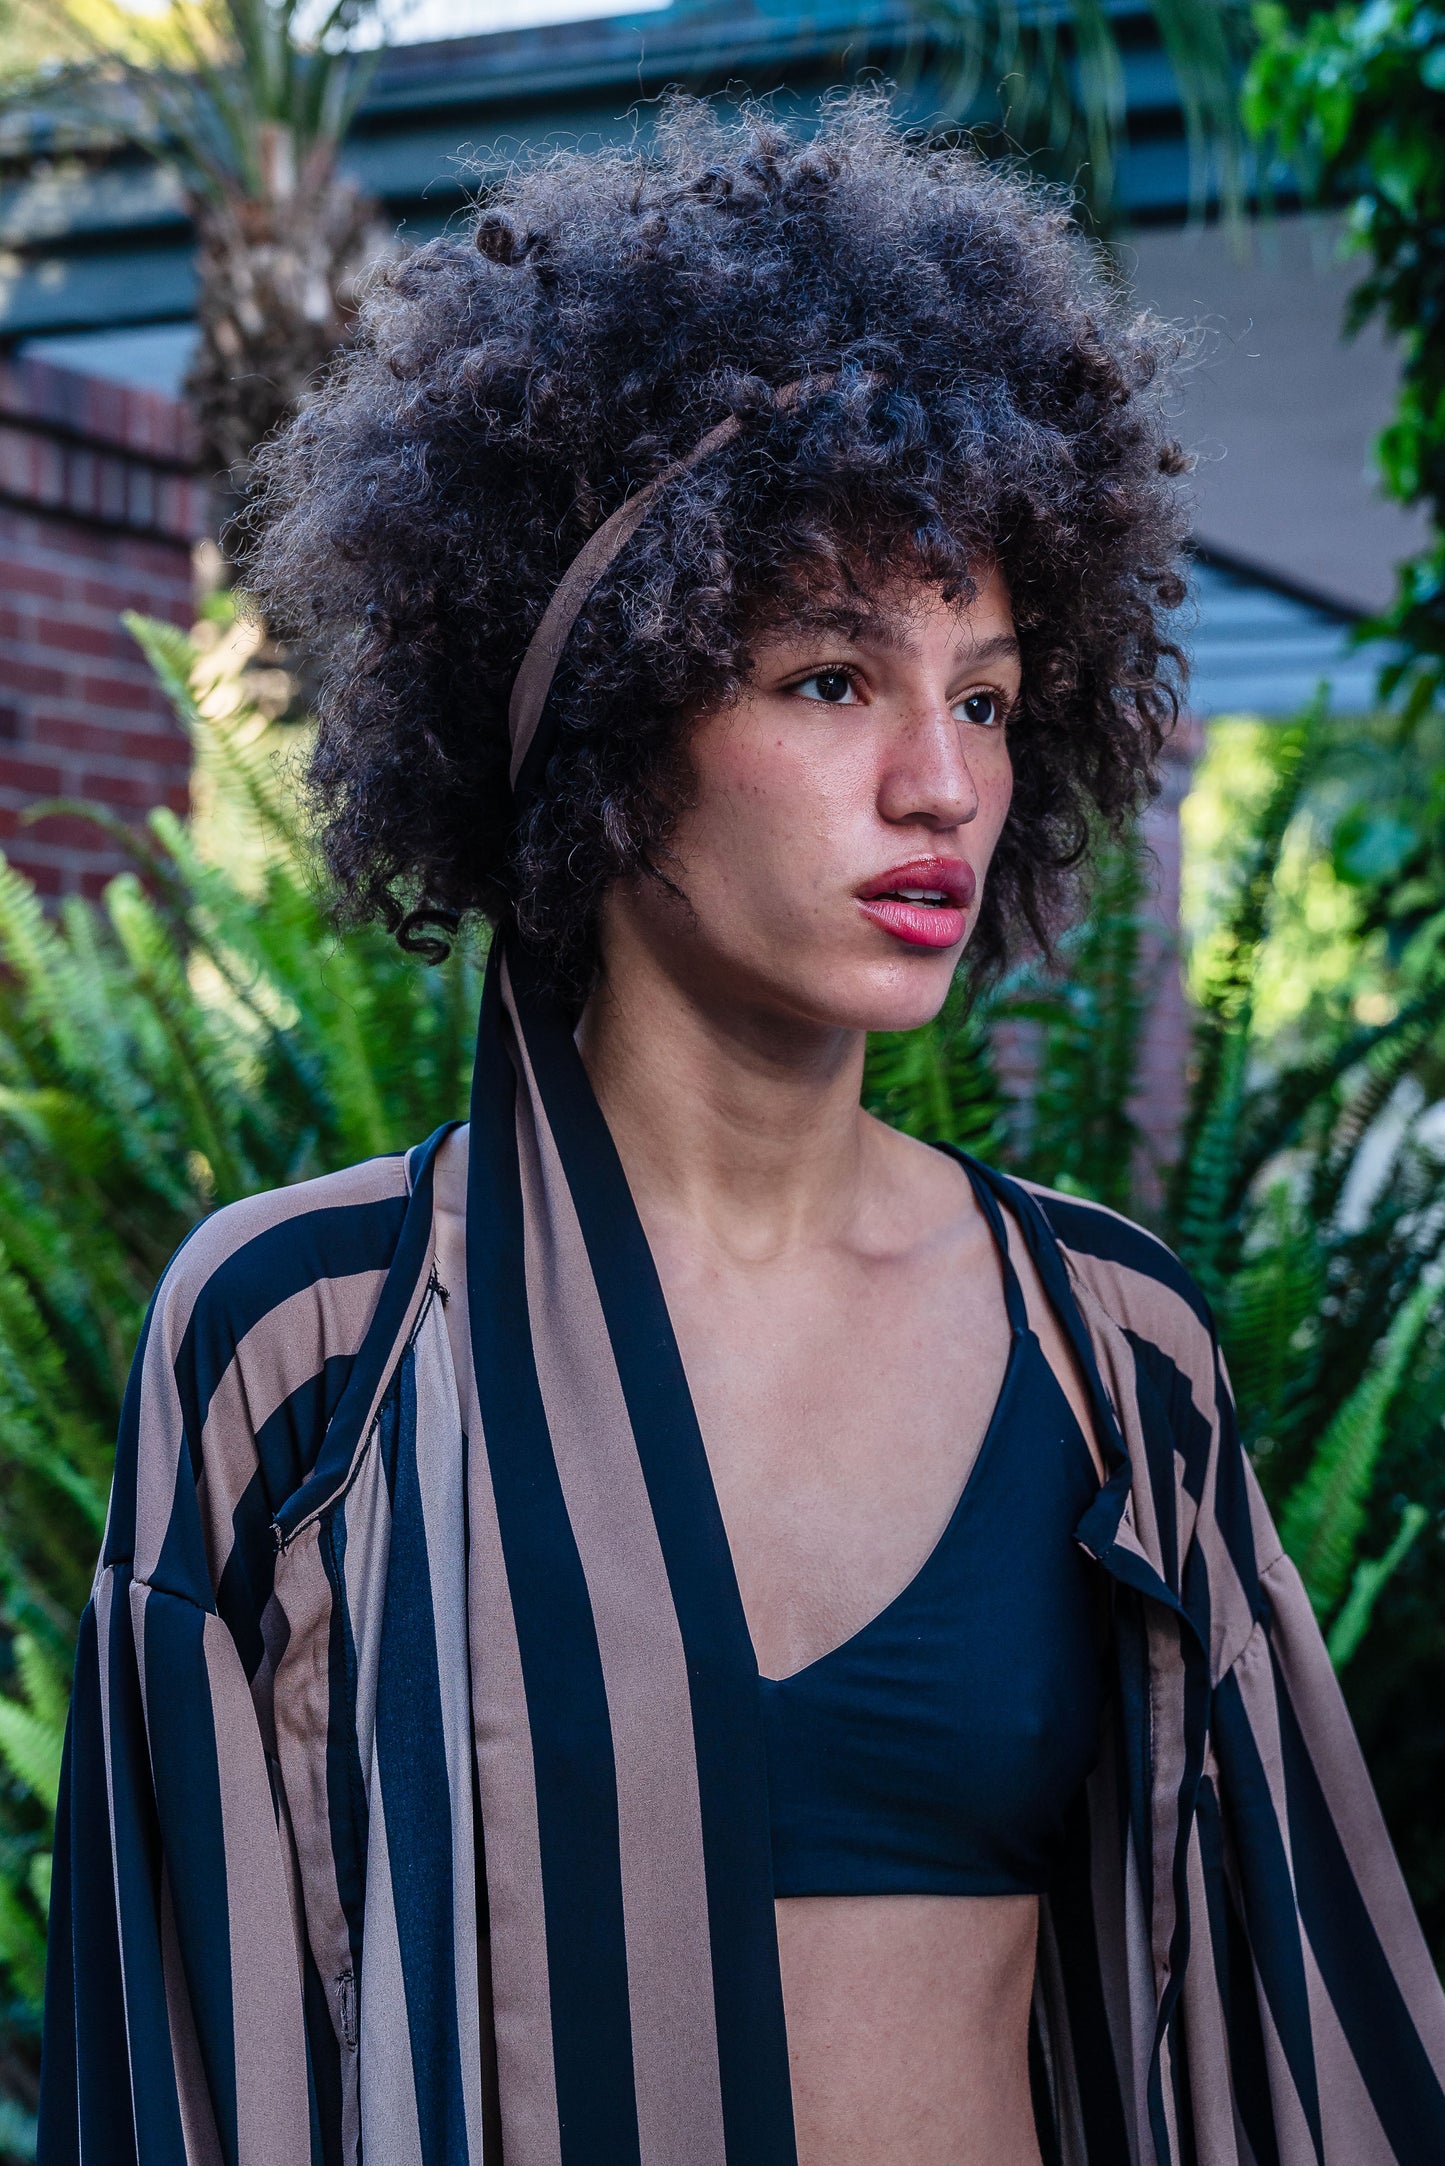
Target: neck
{"x": 744, "y": 1126}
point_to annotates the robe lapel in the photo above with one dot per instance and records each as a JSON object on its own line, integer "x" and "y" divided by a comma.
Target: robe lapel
{"x": 641, "y": 1740}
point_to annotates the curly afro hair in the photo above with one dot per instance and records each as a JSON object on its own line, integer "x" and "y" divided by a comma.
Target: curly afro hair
{"x": 992, "y": 400}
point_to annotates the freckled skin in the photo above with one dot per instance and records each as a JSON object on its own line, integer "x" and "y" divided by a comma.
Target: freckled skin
{"x": 835, "y": 1292}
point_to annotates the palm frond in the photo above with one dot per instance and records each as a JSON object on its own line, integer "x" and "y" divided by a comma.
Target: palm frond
{"x": 1052, "y": 78}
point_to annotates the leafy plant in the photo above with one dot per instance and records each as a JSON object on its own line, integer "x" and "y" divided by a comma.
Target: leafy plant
{"x": 200, "y": 1035}
{"x": 1052, "y": 81}
{"x": 1354, "y": 98}
{"x": 246, "y": 102}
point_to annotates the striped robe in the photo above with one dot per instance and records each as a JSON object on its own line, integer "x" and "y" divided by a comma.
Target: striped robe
{"x": 410, "y": 1808}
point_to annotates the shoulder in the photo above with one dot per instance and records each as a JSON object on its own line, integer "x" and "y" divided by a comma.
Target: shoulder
{"x": 268, "y": 1295}
{"x": 1158, "y": 1352}
{"x": 269, "y": 1251}
{"x": 248, "y": 1343}
{"x": 1134, "y": 1276}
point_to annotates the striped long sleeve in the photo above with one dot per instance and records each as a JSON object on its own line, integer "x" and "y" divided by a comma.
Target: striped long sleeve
{"x": 1339, "y": 2052}
{"x": 1298, "y": 2016}
{"x": 175, "y": 2006}
{"x": 331, "y": 1641}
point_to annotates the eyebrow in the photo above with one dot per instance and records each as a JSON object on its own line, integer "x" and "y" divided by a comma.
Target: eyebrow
{"x": 1003, "y": 644}
{"x": 858, "y": 625}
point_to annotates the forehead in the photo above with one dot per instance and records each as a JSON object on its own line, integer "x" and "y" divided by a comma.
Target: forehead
{"x": 903, "y": 614}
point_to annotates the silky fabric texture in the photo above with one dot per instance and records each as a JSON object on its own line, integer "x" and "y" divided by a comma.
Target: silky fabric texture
{"x": 940, "y": 1749}
{"x": 423, "y": 1829}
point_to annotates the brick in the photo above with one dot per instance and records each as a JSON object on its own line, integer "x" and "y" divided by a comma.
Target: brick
{"x": 36, "y": 778}
{"x": 125, "y": 593}
{"x": 67, "y": 830}
{"x": 83, "y": 636}
{"x": 117, "y": 692}
{"x": 126, "y": 793}
{"x": 101, "y": 508}
{"x": 47, "y": 880}
{"x": 21, "y": 577}
{"x": 103, "y": 739}
{"x": 20, "y": 676}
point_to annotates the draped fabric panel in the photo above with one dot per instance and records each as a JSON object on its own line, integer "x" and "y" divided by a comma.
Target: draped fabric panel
{"x": 413, "y": 1806}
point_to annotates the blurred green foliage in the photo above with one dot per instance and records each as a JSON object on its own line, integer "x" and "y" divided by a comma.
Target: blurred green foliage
{"x": 1354, "y": 99}
{"x": 1049, "y": 84}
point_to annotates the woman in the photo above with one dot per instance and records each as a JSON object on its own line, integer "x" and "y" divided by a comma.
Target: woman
{"x": 673, "y": 1623}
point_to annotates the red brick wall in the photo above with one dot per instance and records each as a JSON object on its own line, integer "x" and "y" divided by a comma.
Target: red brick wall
{"x": 99, "y": 509}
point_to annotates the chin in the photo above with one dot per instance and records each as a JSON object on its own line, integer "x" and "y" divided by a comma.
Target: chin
{"x": 890, "y": 997}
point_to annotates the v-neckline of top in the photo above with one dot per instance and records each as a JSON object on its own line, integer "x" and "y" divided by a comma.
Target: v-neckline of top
{"x": 1020, "y": 1332}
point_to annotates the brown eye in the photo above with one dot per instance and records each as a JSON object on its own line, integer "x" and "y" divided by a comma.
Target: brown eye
{"x": 834, "y": 686}
{"x": 984, "y": 708}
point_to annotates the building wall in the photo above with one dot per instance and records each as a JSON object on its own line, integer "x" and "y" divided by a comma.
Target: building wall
{"x": 99, "y": 511}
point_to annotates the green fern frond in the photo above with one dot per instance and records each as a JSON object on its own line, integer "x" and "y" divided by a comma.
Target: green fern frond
{"x": 1269, "y": 1314}
{"x": 1208, "y": 1231}
{"x": 937, "y": 1083}
{"x": 1082, "y": 1132}
{"x": 171, "y": 654}
{"x": 22, "y": 1951}
{"x": 32, "y": 1732}
{"x": 1371, "y": 1578}
{"x": 45, "y": 1685}
{"x": 1324, "y": 1516}
{"x": 1225, "y": 976}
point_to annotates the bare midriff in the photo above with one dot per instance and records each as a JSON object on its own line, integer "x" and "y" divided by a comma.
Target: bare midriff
{"x": 908, "y": 2028}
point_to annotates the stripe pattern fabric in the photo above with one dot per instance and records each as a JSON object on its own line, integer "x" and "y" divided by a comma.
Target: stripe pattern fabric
{"x": 414, "y": 1808}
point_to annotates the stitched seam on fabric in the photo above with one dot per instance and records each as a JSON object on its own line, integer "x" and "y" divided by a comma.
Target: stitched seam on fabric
{"x": 338, "y": 1496}
{"x": 357, "y": 1803}
{"x": 168, "y": 1594}
{"x": 347, "y": 2011}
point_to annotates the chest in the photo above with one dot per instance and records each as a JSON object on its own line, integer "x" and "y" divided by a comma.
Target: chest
{"x": 842, "y": 1403}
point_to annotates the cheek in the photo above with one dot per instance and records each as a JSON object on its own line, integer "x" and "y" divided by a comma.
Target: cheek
{"x": 995, "y": 788}
{"x": 773, "y": 794}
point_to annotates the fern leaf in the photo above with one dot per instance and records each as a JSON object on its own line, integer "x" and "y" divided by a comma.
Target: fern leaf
{"x": 1324, "y": 1516}
{"x": 1372, "y": 1576}
{"x": 32, "y": 1738}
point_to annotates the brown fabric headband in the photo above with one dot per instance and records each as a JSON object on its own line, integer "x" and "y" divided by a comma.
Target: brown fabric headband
{"x": 533, "y": 680}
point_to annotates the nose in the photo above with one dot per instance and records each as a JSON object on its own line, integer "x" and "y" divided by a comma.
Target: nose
{"x": 926, "y": 774}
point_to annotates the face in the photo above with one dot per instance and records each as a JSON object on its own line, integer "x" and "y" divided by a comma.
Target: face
{"x": 844, "y": 811}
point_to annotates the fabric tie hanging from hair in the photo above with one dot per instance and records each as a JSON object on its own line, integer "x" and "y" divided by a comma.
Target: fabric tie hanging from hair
{"x": 637, "y": 2003}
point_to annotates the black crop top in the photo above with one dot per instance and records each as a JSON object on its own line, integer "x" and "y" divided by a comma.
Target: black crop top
{"x": 938, "y": 1750}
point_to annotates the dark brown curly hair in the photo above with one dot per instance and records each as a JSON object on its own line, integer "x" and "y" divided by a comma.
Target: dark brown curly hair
{"x": 993, "y": 400}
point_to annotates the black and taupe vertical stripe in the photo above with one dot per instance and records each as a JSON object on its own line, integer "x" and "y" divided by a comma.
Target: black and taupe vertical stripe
{"x": 413, "y": 1808}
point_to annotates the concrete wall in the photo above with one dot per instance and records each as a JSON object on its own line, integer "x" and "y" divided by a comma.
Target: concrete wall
{"x": 99, "y": 510}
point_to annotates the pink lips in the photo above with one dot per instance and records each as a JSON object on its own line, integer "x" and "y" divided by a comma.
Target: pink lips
{"x": 924, "y": 902}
